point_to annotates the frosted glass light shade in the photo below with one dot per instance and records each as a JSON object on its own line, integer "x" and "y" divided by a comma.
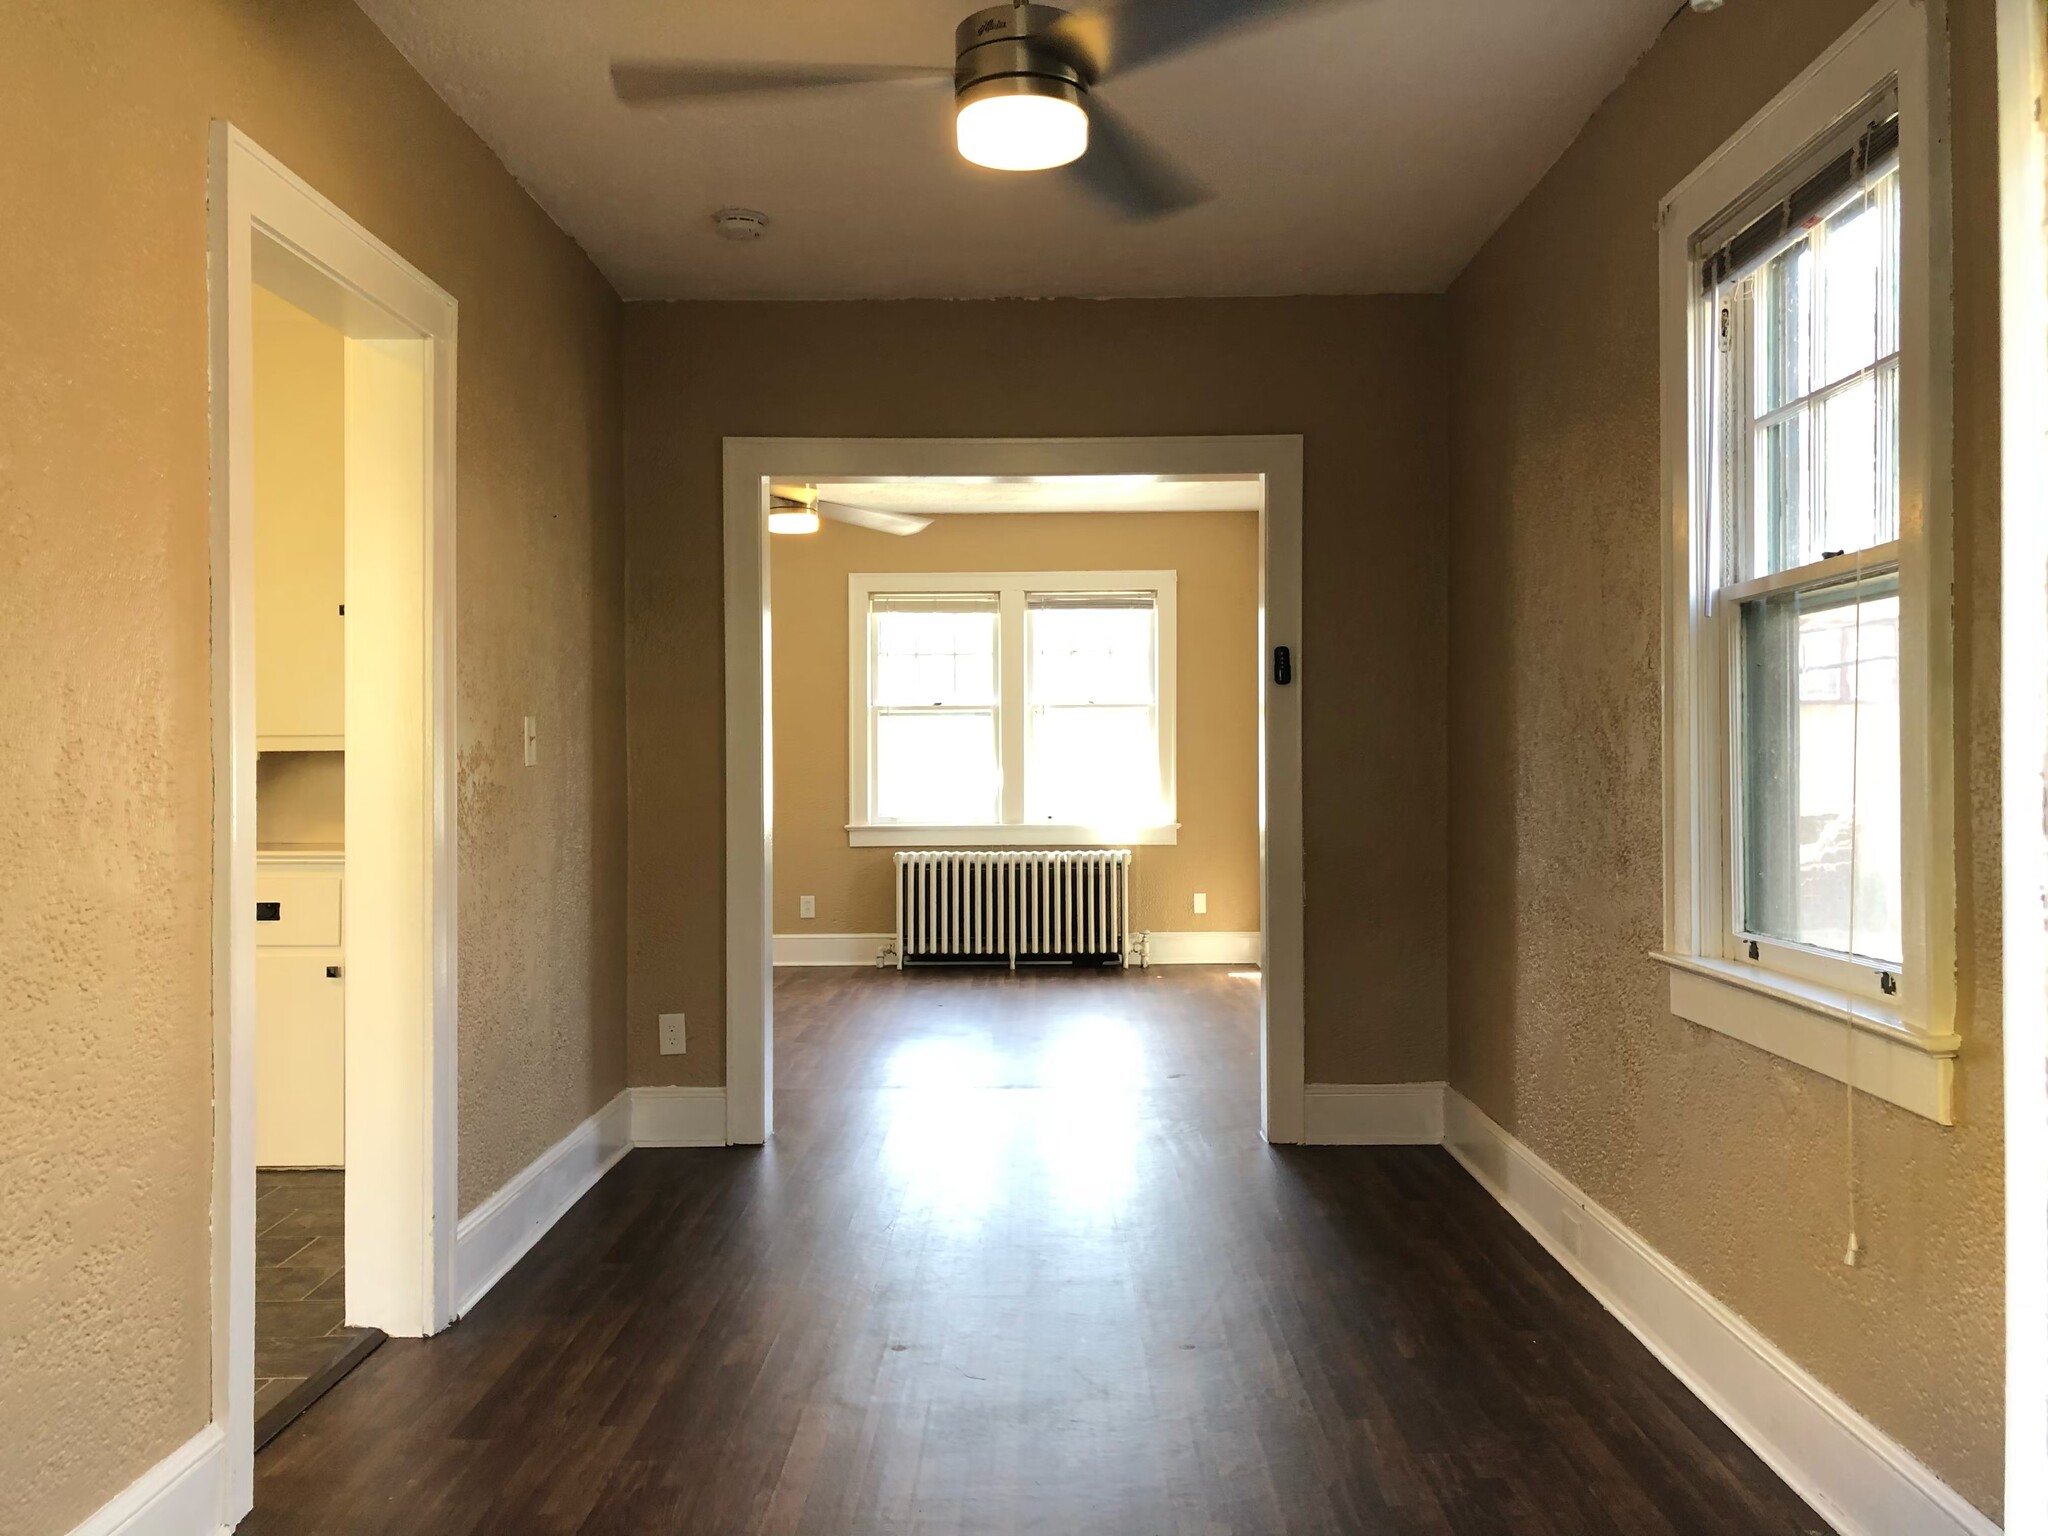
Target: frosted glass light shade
{"x": 796, "y": 520}
{"x": 1022, "y": 132}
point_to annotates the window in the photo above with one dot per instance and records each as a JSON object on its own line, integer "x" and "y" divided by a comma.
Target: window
{"x": 1809, "y": 897}
{"x": 1011, "y": 708}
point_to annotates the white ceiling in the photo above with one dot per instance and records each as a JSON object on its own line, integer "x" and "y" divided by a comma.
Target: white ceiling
{"x": 928, "y": 497}
{"x": 1369, "y": 146}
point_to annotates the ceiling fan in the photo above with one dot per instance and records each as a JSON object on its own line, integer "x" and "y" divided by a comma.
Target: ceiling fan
{"x": 797, "y": 509}
{"x": 1025, "y": 84}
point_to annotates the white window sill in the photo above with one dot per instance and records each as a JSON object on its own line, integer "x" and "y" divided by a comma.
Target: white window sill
{"x": 1821, "y": 1029}
{"x": 1032, "y": 835}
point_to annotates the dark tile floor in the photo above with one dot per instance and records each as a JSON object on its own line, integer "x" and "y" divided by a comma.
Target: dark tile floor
{"x": 302, "y": 1348}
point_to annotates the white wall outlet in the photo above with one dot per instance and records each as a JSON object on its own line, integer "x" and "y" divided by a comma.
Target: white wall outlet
{"x": 1201, "y": 903}
{"x": 532, "y": 741}
{"x": 673, "y": 1041}
{"x": 807, "y": 906}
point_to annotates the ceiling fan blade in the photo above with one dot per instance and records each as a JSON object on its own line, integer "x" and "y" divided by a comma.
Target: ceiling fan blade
{"x": 867, "y": 517}
{"x": 650, "y": 82}
{"x": 1126, "y": 170}
{"x": 1117, "y": 39}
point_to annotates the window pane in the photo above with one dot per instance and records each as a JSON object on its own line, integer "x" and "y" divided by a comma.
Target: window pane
{"x": 1092, "y": 655}
{"x": 937, "y": 768}
{"x": 1095, "y": 766}
{"x": 1783, "y": 298}
{"x": 1820, "y": 768}
{"x": 942, "y": 652}
{"x": 1851, "y": 264}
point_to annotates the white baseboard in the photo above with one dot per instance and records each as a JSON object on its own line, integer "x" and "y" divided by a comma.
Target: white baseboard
{"x": 1193, "y": 948}
{"x": 1861, "y": 1480}
{"x": 829, "y": 948}
{"x": 1373, "y": 1114}
{"x": 678, "y": 1117}
{"x": 179, "y": 1496}
{"x": 1189, "y": 948}
{"x": 498, "y": 1233}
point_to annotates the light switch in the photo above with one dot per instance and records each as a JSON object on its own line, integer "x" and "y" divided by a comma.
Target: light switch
{"x": 807, "y": 906}
{"x": 673, "y": 1041}
{"x": 532, "y": 742}
{"x": 1201, "y": 902}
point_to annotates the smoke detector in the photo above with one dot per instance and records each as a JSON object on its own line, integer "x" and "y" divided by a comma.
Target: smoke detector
{"x": 739, "y": 223}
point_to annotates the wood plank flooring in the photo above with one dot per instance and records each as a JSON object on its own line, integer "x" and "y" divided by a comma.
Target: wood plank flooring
{"x": 1017, "y": 1261}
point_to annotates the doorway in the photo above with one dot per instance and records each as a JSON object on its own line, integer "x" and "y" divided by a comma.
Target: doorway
{"x": 388, "y": 904}
{"x": 755, "y": 467}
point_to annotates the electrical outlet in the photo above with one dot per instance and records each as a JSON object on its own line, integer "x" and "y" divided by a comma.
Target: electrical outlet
{"x": 673, "y": 1040}
{"x": 807, "y": 906}
{"x": 532, "y": 741}
{"x": 1201, "y": 903}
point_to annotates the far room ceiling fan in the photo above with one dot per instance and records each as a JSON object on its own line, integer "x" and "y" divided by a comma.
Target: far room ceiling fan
{"x": 797, "y": 509}
{"x": 1025, "y": 85}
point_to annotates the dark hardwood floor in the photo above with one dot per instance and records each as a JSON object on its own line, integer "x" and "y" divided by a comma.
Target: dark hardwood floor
{"x": 1017, "y": 1261}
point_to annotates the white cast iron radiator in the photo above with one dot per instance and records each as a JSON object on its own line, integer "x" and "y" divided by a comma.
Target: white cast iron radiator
{"x": 1011, "y": 905}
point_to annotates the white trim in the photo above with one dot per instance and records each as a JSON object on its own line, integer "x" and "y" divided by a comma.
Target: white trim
{"x": 1894, "y": 40}
{"x": 1862, "y": 1481}
{"x": 1025, "y": 835}
{"x": 498, "y": 1234}
{"x": 1825, "y": 1031}
{"x": 1373, "y": 1114}
{"x": 264, "y": 222}
{"x": 1184, "y": 948}
{"x": 1198, "y": 947}
{"x": 831, "y": 948}
{"x": 679, "y": 1117}
{"x": 2023, "y": 752}
{"x": 179, "y": 1496}
{"x": 301, "y": 743}
{"x": 750, "y": 464}
{"x": 1011, "y": 590}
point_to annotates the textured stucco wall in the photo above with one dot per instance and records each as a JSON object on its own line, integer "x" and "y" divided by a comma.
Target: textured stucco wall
{"x": 1727, "y": 1159}
{"x": 1216, "y": 556}
{"x": 105, "y": 827}
{"x": 1361, "y": 379}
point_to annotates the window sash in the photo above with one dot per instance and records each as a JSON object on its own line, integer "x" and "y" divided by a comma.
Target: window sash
{"x": 1855, "y": 974}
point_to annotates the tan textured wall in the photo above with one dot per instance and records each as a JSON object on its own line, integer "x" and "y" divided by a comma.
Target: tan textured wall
{"x": 1216, "y": 556}
{"x": 105, "y": 826}
{"x": 1727, "y": 1159}
{"x": 300, "y": 799}
{"x": 1363, "y": 380}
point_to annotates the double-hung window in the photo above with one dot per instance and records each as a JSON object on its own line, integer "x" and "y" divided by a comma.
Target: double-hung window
{"x": 1809, "y": 871}
{"x": 1011, "y": 708}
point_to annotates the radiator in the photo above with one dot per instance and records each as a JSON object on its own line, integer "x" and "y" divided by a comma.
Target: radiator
{"x": 1012, "y": 905}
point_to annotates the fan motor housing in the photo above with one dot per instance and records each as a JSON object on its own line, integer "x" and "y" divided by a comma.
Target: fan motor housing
{"x": 1007, "y": 50}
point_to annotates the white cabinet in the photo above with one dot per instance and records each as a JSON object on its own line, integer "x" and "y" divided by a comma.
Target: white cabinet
{"x": 299, "y": 981}
{"x": 299, "y": 529}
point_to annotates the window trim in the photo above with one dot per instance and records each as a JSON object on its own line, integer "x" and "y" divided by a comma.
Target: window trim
{"x": 863, "y": 831}
{"x": 1885, "y": 1045}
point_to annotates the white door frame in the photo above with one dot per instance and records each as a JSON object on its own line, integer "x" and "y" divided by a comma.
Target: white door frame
{"x": 265, "y": 224}
{"x": 750, "y": 464}
{"x": 2023, "y": 626}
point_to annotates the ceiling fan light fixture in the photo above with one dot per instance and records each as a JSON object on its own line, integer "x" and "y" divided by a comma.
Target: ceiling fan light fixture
{"x": 1021, "y": 123}
{"x": 793, "y": 520}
